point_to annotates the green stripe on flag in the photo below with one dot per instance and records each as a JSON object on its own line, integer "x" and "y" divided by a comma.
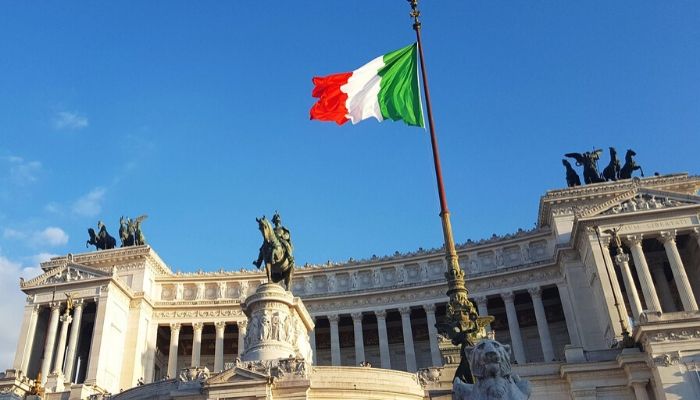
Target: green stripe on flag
{"x": 399, "y": 95}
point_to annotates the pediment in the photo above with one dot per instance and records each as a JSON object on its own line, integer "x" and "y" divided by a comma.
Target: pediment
{"x": 640, "y": 200}
{"x": 71, "y": 272}
{"x": 240, "y": 375}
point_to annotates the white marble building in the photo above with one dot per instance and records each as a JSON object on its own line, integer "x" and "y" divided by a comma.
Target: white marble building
{"x": 560, "y": 293}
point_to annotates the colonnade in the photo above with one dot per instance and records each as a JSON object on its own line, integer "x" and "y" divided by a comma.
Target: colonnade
{"x": 656, "y": 292}
{"x": 55, "y": 352}
{"x": 384, "y": 355}
{"x": 542, "y": 325}
{"x": 197, "y": 328}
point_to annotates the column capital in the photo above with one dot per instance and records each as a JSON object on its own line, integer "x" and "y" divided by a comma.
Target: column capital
{"x": 429, "y": 308}
{"x": 667, "y": 236}
{"x": 66, "y": 319}
{"x": 381, "y": 314}
{"x": 175, "y": 326}
{"x": 55, "y": 305}
{"x": 243, "y": 324}
{"x": 220, "y": 325}
{"x": 333, "y": 318}
{"x": 197, "y": 326}
{"x": 535, "y": 292}
{"x": 508, "y": 296}
{"x": 635, "y": 240}
{"x": 696, "y": 232}
{"x": 622, "y": 258}
{"x": 405, "y": 311}
{"x": 356, "y": 316}
{"x": 78, "y": 303}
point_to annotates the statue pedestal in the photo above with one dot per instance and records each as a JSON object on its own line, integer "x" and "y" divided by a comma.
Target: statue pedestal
{"x": 278, "y": 325}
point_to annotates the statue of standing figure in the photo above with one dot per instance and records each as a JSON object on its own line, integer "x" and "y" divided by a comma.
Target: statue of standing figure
{"x": 130, "y": 232}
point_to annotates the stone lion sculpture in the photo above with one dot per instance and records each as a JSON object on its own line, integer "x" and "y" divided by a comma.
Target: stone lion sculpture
{"x": 490, "y": 365}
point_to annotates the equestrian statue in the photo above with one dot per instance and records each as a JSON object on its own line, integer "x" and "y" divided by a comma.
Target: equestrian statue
{"x": 276, "y": 251}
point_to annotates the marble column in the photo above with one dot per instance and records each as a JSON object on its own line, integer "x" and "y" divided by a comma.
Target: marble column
{"x": 514, "y": 328}
{"x": 66, "y": 319}
{"x": 664, "y": 288}
{"x": 482, "y": 307}
{"x": 622, "y": 261}
{"x": 242, "y": 330}
{"x": 640, "y": 390}
{"x": 312, "y": 342}
{"x": 73, "y": 340}
{"x": 542, "y": 324}
{"x": 615, "y": 284}
{"x": 408, "y": 339}
{"x": 685, "y": 291}
{"x": 219, "y": 346}
{"x": 384, "y": 354}
{"x": 335, "y": 339}
{"x": 197, "y": 343}
{"x": 172, "y": 353}
{"x": 646, "y": 282}
{"x": 569, "y": 316}
{"x": 359, "y": 338}
{"x": 29, "y": 339}
{"x": 433, "y": 335}
{"x": 50, "y": 341}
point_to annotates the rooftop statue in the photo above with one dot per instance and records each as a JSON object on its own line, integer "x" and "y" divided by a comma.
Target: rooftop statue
{"x": 630, "y": 165}
{"x": 612, "y": 171}
{"x": 130, "y": 232}
{"x": 572, "y": 178}
{"x": 276, "y": 251}
{"x": 102, "y": 240}
{"x": 589, "y": 161}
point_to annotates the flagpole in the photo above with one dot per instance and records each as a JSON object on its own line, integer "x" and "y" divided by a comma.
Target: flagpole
{"x": 461, "y": 313}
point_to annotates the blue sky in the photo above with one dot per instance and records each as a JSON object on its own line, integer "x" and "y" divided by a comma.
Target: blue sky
{"x": 197, "y": 115}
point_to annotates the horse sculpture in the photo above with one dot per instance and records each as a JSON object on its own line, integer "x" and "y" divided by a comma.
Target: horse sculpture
{"x": 101, "y": 240}
{"x": 276, "y": 253}
{"x": 630, "y": 165}
{"x": 612, "y": 171}
{"x": 572, "y": 178}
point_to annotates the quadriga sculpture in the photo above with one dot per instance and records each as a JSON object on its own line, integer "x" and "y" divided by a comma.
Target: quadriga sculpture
{"x": 490, "y": 365}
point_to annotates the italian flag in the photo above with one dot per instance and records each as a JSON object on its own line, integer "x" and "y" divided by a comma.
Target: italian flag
{"x": 384, "y": 88}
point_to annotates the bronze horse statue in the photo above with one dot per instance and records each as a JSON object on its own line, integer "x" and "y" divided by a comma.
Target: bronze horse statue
{"x": 612, "y": 171}
{"x": 630, "y": 165}
{"x": 572, "y": 178}
{"x": 101, "y": 240}
{"x": 279, "y": 264}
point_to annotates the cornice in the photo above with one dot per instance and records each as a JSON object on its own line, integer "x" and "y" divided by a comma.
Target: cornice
{"x": 106, "y": 259}
{"x": 677, "y": 183}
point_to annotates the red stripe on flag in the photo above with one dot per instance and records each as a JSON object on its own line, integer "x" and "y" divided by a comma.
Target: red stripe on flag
{"x": 331, "y": 101}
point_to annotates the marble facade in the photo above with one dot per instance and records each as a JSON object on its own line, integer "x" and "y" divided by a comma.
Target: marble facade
{"x": 561, "y": 295}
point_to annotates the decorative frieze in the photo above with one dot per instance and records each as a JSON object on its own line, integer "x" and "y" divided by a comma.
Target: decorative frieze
{"x": 215, "y": 313}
